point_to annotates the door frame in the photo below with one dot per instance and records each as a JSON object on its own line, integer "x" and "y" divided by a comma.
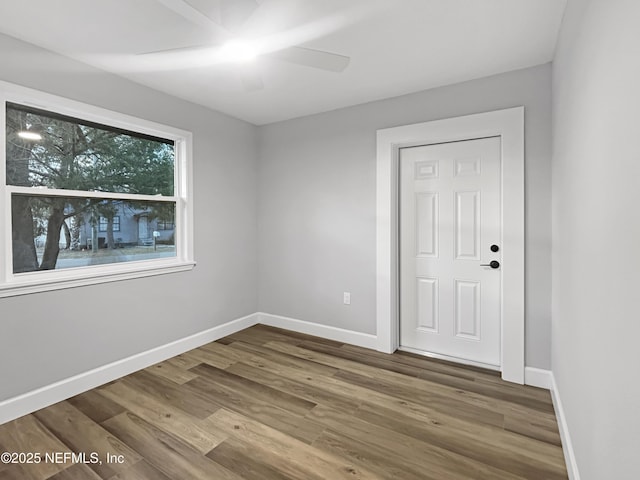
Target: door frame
{"x": 507, "y": 124}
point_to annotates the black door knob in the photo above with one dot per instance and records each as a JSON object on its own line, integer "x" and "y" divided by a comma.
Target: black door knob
{"x": 492, "y": 264}
{"x": 494, "y": 248}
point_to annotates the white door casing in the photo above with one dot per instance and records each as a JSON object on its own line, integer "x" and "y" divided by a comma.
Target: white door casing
{"x": 449, "y": 203}
{"x": 509, "y": 126}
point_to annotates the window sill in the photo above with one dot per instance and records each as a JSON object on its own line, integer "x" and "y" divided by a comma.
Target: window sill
{"x": 38, "y": 282}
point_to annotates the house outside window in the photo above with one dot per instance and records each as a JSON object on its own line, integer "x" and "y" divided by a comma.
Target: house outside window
{"x": 82, "y": 185}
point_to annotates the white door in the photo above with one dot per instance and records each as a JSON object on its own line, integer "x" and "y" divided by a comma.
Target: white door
{"x": 450, "y": 220}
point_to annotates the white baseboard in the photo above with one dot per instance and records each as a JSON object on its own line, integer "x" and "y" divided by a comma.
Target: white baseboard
{"x": 567, "y": 446}
{"x": 537, "y": 377}
{"x": 332, "y": 333}
{"x": 13, "y": 408}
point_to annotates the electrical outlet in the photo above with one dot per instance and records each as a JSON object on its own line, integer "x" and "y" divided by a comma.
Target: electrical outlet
{"x": 347, "y": 298}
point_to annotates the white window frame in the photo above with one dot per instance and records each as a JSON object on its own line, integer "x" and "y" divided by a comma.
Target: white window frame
{"x": 32, "y": 282}
{"x": 106, "y": 223}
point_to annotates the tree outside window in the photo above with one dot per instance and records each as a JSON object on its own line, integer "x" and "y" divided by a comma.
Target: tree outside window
{"x": 69, "y": 176}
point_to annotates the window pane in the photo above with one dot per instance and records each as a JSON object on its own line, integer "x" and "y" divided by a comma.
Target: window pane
{"x": 55, "y": 232}
{"x": 45, "y": 149}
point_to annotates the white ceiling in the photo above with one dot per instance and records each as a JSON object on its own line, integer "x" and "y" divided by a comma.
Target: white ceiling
{"x": 396, "y": 47}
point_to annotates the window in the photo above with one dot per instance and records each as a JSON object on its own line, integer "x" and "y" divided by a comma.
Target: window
{"x": 83, "y": 187}
{"x": 104, "y": 224}
{"x": 165, "y": 224}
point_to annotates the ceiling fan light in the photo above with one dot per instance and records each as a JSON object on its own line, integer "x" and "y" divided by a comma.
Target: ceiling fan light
{"x": 239, "y": 51}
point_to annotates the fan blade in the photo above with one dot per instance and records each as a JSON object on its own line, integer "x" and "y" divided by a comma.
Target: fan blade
{"x": 234, "y": 13}
{"x": 210, "y": 8}
{"x": 193, "y": 48}
{"x": 195, "y": 16}
{"x": 311, "y": 58}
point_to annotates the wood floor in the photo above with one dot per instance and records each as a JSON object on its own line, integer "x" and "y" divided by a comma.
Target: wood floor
{"x": 267, "y": 404}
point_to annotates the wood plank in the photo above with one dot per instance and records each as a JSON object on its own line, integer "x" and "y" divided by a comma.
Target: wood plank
{"x": 504, "y": 450}
{"x": 181, "y": 397}
{"x": 164, "y": 451}
{"x": 265, "y": 393}
{"x": 533, "y": 398}
{"x": 227, "y": 352}
{"x": 253, "y": 407}
{"x": 28, "y": 435}
{"x": 419, "y": 456}
{"x": 79, "y": 471}
{"x": 83, "y": 435}
{"x": 225, "y": 340}
{"x": 240, "y": 457}
{"x": 15, "y": 471}
{"x": 262, "y": 353}
{"x": 406, "y": 396}
{"x": 533, "y": 429}
{"x": 199, "y": 434}
{"x": 171, "y": 372}
{"x": 443, "y": 371}
{"x": 289, "y": 455}
{"x": 183, "y": 361}
{"x": 201, "y": 355}
{"x": 308, "y": 392}
{"x": 369, "y": 390}
{"x": 365, "y": 455}
{"x": 140, "y": 471}
{"x": 307, "y": 350}
{"x": 95, "y": 406}
{"x": 402, "y": 381}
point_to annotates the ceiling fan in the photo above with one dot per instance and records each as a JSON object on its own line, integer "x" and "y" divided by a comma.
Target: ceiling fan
{"x": 227, "y": 21}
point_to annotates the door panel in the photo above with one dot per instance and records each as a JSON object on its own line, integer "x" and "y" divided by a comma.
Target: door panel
{"x": 450, "y": 215}
{"x": 467, "y": 225}
{"x": 467, "y": 309}
{"x": 427, "y": 224}
{"x": 427, "y": 292}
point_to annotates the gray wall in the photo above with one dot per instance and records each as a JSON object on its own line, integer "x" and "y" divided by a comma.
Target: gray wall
{"x": 596, "y": 234}
{"x": 51, "y": 336}
{"x": 305, "y": 187}
{"x": 317, "y": 202}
